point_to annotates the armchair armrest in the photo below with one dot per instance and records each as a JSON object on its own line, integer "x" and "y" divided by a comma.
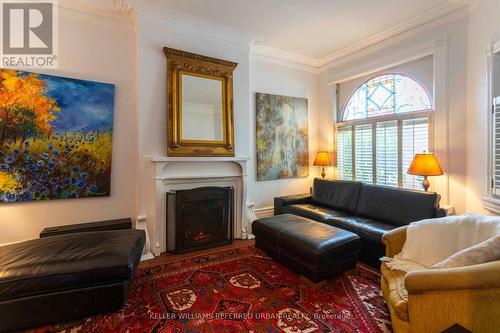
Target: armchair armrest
{"x": 394, "y": 241}
{"x": 482, "y": 276}
{"x": 280, "y": 202}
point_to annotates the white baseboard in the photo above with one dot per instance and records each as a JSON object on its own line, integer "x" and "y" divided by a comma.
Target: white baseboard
{"x": 148, "y": 255}
{"x": 264, "y": 212}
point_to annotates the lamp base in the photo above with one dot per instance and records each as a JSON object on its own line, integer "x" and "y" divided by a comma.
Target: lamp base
{"x": 426, "y": 184}
{"x": 323, "y": 173}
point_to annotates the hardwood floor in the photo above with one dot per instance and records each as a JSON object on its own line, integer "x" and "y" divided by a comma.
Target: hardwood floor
{"x": 166, "y": 257}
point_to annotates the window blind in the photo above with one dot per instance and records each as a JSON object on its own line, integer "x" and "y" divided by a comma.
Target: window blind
{"x": 415, "y": 138}
{"x": 387, "y": 153}
{"x": 363, "y": 153}
{"x": 496, "y": 147}
{"x": 344, "y": 153}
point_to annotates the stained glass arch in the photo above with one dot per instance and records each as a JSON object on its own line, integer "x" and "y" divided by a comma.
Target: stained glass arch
{"x": 386, "y": 94}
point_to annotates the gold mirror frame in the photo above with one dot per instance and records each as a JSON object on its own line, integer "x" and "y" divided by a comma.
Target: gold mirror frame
{"x": 184, "y": 63}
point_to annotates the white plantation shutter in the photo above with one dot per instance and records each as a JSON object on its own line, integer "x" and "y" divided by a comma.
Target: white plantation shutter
{"x": 363, "y": 153}
{"x": 344, "y": 153}
{"x": 415, "y": 139}
{"x": 387, "y": 153}
{"x": 496, "y": 147}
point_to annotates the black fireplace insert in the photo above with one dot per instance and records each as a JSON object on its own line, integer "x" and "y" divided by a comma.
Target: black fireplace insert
{"x": 199, "y": 218}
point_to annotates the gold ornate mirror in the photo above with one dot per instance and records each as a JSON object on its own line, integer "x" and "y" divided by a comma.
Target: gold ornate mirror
{"x": 200, "y": 105}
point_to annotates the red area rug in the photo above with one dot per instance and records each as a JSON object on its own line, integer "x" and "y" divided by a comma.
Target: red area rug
{"x": 241, "y": 290}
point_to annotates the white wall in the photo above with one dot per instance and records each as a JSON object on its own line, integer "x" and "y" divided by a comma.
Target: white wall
{"x": 269, "y": 77}
{"x": 154, "y": 33}
{"x": 455, "y": 28}
{"x": 90, "y": 48}
{"x": 250, "y": 76}
{"x": 484, "y": 30}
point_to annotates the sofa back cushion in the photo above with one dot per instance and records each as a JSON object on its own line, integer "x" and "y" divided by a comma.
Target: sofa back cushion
{"x": 338, "y": 194}
{"x": 396, "y": 206}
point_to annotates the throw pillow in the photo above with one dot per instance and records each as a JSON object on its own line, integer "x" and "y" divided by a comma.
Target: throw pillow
{"x": 487, "y": 251}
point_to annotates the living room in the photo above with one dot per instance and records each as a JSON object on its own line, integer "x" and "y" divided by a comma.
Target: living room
{"x": 337, "y": 124}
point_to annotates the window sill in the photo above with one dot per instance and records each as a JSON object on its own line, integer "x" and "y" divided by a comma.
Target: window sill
{"x": 491, "y": 204}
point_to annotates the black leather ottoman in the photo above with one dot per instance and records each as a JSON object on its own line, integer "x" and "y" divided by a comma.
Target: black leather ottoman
{"x": 313, "y": 249}
{"x": 66, "y": 277}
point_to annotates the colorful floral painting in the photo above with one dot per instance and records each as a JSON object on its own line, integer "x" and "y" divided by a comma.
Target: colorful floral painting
{"x": 55, "y": 137}
{"x": 282, "y": 145}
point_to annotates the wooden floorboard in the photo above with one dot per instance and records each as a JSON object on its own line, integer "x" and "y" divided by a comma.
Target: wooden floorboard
{"x": 166, "y": 257}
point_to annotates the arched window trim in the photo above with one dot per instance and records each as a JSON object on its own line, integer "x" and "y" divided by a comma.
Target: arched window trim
{"x": 431, "y": 100}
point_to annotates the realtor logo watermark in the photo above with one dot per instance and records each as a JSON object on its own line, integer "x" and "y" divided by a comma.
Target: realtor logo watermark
{"x": 29, "y": 33}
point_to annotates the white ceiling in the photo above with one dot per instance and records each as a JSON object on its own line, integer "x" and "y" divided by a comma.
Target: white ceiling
{"x": 311, "y": 28}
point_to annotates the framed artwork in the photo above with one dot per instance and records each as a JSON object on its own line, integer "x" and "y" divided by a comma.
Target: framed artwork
{"x": 55, "y": 137}
{"x": 282, "y": 143}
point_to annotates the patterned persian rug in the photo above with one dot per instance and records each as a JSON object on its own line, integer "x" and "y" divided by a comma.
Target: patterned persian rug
{"x": 241, "y": 290}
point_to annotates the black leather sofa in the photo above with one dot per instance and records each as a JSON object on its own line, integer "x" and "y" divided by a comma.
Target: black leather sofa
{"x": 367, "y": 210}
{"x": 66, "y": 277}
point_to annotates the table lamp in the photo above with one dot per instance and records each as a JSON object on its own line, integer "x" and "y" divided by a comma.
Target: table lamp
{"x": 322, "y": 160}
{"x": 425, "y": 164}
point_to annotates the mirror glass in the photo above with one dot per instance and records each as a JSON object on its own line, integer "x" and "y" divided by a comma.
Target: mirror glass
{"x": 202, "y": 113}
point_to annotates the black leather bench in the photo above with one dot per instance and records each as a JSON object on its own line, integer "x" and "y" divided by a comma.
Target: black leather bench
{"x": 315, "y": 250}
{"x": 66, "y": 277}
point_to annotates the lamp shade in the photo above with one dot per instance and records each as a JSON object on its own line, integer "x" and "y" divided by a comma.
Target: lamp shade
{"x": 322, "y": 159}
{"x": 425, "y": 164}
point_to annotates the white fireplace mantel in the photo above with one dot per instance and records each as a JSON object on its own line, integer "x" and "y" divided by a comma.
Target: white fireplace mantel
{"x": 178, "y": 173}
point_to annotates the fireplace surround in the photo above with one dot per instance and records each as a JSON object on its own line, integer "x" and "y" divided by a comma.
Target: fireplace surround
{"x": 165, "y": 173}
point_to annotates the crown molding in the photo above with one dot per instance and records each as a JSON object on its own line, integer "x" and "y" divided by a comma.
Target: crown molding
{"x": 320, "y": 64}
{"x": 109, "y": 16}
{"x": 284, "y": 58}
{"x": 160, "y": 17}
{"x": 435, "y": 13}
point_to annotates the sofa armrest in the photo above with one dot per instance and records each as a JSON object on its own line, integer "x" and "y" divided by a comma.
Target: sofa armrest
{"x": 118, "y": 224}
{"x": 280, "y": 202}
{"x": 394, "y": 241}
{"x": 441, "y": 212}
{"x": 482, "y": 276}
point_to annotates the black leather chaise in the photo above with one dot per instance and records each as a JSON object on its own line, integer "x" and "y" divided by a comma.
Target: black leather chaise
{"x": 366, "y": 210}
{"x": 66, "y": 277}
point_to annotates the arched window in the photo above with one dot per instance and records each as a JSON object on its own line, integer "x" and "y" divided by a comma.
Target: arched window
{"x": 384, "y": 123}
{"x": 384, "y": 95}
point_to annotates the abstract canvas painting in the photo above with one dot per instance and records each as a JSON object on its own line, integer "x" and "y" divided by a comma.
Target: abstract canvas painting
{"x": 55, "y": 137}
{"x": 282, "y": 144}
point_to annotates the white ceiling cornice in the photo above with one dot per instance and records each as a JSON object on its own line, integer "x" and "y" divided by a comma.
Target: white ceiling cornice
{"x": 445, "y": 9}
{"x": 437, "y": 12}
{"x": 162, "y": 17}
{"x": 115, "y": 14}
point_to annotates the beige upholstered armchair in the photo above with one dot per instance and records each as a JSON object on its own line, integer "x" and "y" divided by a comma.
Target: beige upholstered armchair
{"x": 432, "y": 300}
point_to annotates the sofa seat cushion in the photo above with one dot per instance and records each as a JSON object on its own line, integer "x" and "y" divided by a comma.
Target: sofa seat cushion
{"x": 397, "y": 293}
{"x": 369, "y": 230}
{"x": 70, "y": 261}
{"x": 315, "y": 212}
